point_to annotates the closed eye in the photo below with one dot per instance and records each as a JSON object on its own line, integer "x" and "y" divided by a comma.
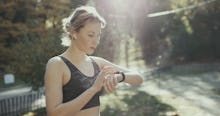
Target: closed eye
{"x": 91, "y": 35}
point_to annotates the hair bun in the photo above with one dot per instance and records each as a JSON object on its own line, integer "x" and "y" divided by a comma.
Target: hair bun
{"x": 66, "y": 24}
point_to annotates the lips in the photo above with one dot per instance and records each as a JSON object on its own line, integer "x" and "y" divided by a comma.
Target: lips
{"x": 92, "y": 48}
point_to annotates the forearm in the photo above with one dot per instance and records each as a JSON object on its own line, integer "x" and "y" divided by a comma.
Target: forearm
{"x": 74, "y": 106}
{"x": 131, "y": 78}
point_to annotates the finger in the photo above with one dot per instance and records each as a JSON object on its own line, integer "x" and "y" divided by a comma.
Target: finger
{"x": 115, "y": 80}
{"x": 110, "y": 86}
{"x": 101, "y": 78}
{"x": 112, "y": 81}
{"x": 106, "y": 88}
{"x": 104, "y": 76}
{"x": 106, "y": 72}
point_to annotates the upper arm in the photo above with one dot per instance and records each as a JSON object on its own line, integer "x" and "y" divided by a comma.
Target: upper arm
{"x": 103, "y": 62}
{"x": 132, "y": 77}
{"x": 53, "y": 83}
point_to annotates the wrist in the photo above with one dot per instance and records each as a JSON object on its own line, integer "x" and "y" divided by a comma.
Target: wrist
{"x": 121, "y": 76}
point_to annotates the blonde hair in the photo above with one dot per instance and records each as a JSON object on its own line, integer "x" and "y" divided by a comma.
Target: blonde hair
{"x": 77, "y": 20}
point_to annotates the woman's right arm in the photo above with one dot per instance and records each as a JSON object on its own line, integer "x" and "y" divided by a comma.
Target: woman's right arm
{"x": 54, "y": 95}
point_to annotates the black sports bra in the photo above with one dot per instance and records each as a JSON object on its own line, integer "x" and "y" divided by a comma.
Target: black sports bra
{"x": 79, "y": 83}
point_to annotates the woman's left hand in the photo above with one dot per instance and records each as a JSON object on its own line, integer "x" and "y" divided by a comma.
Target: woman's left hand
{"x": 111, "y": 81}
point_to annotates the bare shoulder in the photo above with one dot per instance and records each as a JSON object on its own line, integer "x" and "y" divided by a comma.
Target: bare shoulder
{"x": 54, "y": 62}
{"x": 54, "y": 73}
{"x": 55, "y": 66}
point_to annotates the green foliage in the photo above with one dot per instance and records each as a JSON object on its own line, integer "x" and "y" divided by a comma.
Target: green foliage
{"x": 17, "y": 82}
{"x": 133, "y": 103}
{"x": 152, "y": 32}
{"x": 198, "y": 35}
{"x": 28, "y": 28}
{"x": 30, "y": 34}
{"x": 191, "y": 35}
{"x": 31, "y": 58}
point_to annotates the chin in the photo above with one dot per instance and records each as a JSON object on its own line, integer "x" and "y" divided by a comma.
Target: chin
{"x": 90, "y": 52}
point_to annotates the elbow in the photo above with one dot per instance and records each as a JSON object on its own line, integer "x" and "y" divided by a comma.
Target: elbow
{"x": 55, "y": 113}
{"x": 58, "y": 111}
{"x": 139, "y": 80}
{"x": 51, "y": 113}
{"x": 134, "y": 79}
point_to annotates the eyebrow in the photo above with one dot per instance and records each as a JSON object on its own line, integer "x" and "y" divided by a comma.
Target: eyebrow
{"x": 94, "y": 32}
{"x": 91, "y": 32}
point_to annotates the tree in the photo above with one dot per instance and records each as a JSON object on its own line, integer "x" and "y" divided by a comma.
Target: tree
{"x": 181, "y": 37}
{"x": 30, "y": 35}
{"x": 197, "y": 37}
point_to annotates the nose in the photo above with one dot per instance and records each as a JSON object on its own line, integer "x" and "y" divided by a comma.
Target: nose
{"x": 96, "y": 41}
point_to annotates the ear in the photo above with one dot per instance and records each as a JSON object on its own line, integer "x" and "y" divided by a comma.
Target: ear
{"x": 73, "y": 35}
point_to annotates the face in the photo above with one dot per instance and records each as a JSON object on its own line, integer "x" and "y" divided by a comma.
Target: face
{"x": 88, "y": 37}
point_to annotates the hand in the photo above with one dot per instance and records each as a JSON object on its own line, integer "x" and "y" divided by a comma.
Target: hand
{"x": 110, "y": 83}
{"x": 100, "y": 80}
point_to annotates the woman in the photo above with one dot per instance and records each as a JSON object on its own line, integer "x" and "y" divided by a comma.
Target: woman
{"x": 73, "y": 80}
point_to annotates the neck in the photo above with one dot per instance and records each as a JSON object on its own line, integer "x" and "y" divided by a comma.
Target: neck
{"x": 75, "y": 54}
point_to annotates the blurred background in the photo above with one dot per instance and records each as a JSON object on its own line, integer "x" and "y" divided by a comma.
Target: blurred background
{"x": 175, "y": 44}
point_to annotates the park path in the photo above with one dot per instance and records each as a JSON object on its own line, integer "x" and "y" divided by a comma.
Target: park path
{"x": 193, "y": 89}
{"x": 191, "y": 94}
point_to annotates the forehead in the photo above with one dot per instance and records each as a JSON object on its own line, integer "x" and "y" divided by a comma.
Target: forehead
{"x": 93, "y": 26}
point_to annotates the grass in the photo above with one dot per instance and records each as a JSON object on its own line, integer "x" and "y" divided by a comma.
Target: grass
{"x": 133, "y": 103}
